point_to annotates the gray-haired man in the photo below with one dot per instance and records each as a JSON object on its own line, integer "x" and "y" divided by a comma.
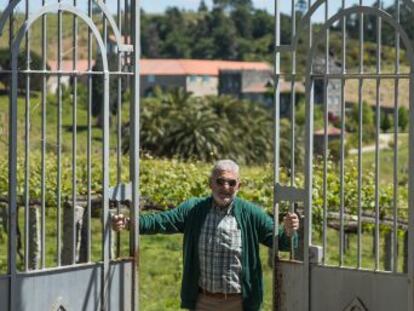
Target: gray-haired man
{"x": 222, "y": 269}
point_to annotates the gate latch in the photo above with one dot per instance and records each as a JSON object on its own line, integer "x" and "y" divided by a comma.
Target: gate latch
{"x": 289, "y": 194}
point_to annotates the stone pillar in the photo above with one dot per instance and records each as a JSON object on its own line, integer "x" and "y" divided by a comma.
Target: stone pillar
{"x": 34, "y": 237}
{"x": 83, "y": 248}
{"x": 388, "y": 251}
{"x": 405, "y": 253}
{"x": 68, "y": 242}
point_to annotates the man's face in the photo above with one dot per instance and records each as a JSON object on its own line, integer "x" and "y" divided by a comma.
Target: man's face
{"x": 224, "y": 186}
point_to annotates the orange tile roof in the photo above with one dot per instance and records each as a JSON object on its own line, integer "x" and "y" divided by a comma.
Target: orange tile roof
{"x": 331, "y": 131}
{"x": 196, "y": 67}
{"x": 67, "y": 65}
{"x": 169, "y": 67}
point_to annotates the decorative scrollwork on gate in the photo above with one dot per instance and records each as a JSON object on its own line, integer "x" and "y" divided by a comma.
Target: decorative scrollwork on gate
{"x": 356, "y": 305}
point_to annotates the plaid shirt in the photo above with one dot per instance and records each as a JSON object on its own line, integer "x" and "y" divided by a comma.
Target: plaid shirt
{"x": 219, "y": 250}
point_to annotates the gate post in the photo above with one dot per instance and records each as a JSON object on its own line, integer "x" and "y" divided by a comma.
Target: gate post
{"x": 34, "y": 237}
{"x": 388, "y": 250}
{"x": 70, "y": 213}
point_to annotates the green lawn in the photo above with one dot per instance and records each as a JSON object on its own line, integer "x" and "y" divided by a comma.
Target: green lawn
{"x": 386, "y": 160}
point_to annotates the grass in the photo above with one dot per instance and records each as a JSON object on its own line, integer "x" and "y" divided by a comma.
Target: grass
{"x": 386, "y": 160}
{"x": 161, "y": 262}
{"x": 161, "y": 256}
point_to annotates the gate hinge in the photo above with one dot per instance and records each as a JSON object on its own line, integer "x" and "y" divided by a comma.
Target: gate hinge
{"x": 289, "y": 194}
{"x": 121, "y": 192}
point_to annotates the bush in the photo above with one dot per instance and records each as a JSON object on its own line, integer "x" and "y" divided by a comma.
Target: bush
{"x": 178, "y": 125}
{"x": 403, "y": 118}
{"x": 35, "y": 64}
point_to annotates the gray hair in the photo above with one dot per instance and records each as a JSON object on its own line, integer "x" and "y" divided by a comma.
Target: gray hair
{"x": 225, "y": 165}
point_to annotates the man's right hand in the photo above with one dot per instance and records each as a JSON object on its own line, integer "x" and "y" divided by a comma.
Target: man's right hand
{"x": 120, "y": 222}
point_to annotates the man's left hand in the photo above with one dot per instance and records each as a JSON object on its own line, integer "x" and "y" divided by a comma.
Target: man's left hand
{"x": 291, "y": 223}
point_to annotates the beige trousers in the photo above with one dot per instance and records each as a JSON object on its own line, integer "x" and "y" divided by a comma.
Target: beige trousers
{"x": 207, "y": 303}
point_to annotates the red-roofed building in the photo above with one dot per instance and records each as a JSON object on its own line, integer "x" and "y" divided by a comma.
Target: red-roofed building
{"x": 82, "y": 66}
{"x": 200, "y": 77}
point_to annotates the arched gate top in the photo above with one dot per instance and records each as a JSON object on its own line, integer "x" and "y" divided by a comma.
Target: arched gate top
{"x": 10, "y": 7}
{"x": 365, "y": 10}
{"x": 51, "y": 8}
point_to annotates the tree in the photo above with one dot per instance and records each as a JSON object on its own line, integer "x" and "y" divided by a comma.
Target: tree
{"x": 223, "y": 34}
{"x": 36, "y": 63}
{"x": 202, "y": 8}
{"x": 242, "y": 19}
{"x": 403, "y": 118}
{"x": 231, "y": 4}
{"x": 176, "y": 124}
{"x": 150, "y": 38}
{"x": 386, "y": 123}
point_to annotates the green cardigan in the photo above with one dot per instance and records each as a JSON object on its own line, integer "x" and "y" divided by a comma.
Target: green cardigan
{"x": 256, "y": 227}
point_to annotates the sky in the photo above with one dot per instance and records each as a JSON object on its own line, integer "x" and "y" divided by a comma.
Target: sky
{"x": 159, "y": 6}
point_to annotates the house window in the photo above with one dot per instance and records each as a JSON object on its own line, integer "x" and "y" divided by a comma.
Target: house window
{"x": 193, "y": 78}
{"x": 206, "y": 78}
{"x": 151, "y": 78}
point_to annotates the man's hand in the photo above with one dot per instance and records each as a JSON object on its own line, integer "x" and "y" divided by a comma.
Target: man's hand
{"x": 291, "y": 223}
{"x": 120, "y": 222}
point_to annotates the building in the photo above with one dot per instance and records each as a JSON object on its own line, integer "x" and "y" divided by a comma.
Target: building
{"x": 333, "y": 88}
{"x": 200, "y": 77}
{"x": 257, "y": 85}
{"x": 66, "y": 66}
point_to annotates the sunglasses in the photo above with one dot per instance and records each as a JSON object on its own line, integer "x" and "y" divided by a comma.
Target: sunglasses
{"x": 230, "y": 182}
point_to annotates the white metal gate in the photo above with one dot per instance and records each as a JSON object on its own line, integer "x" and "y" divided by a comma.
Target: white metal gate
{"x": 353, "y": 256}
{"x": 60, "y": 166}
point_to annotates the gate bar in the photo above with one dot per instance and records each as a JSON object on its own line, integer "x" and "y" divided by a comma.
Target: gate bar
{"x": 74, "y": 130}
{"x": 377, "y": 151}
{"x": 292, "y": 119}
{"x": 27, "y": 148}
{"x": 89, "y": 139}
{"x": 12, "y": 241}
{"x": 134, "y": 150}
{"x": 360, "y": 129}
{"x": 325, "y": 142}
{"x": 394, "y": 257}
{"x": 276, "y": 163}
{"x": 43, "y": 160}
{"x": 118, "y": 127}
{"x": 342, "y": 166}
{"x": 59, "y": 143}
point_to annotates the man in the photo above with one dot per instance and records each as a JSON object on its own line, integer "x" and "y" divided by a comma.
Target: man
{"x": 222, "y": 269}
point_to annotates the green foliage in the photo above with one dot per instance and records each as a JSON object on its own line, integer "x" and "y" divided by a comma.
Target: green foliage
{"x": 385, "y": 192}
{"x": 403, "y": 118}
{"x": 368, "y": 125}
{"x": 167, "y": 183}
{"x": 386, "y": 122}
{"x": 98, "y": 88}
{"x": 36, "y": 63}
{"x": 176, "y": 124}
{"x": 230, "y": 30}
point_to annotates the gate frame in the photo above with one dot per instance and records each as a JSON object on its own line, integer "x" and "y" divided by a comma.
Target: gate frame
{"x": 134, "y": 141}
{"x": 305, "y": 25}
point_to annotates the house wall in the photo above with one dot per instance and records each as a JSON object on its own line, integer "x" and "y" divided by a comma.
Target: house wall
{"x": 251, "y": 77}
{"x": 230, "y": 83}
{"x": 202, "y": 85}
{"x": 149, "y": 82}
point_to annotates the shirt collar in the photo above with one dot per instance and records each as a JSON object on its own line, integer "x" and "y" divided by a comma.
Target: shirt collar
{"x": 223, "y": 210}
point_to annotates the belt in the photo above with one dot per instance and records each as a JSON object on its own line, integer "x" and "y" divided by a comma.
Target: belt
{"x": 218, "y": 295}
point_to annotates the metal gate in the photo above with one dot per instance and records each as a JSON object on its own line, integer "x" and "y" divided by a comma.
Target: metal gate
{"x": 357, "y": 207}
{"x": 67, "y": 63}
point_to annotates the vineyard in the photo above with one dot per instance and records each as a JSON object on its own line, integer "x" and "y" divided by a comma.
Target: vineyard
{"x": 164, "y": 183}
